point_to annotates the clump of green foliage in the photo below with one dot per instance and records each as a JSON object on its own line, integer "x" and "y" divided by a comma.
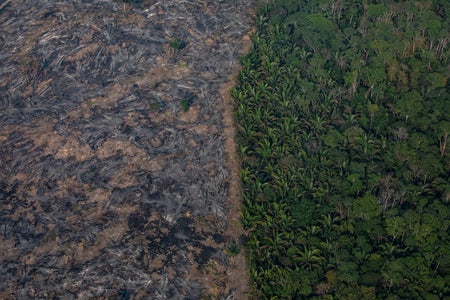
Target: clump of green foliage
{"x": 185, "y": 104}
{"x": 343, "y": 133}
{"x": 233, "y": 249}
{"x": 177, "y": 44}
{"x": 156, "y": 106}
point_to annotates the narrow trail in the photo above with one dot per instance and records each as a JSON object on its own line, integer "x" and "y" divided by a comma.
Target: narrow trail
{"x": 238, "y": 271}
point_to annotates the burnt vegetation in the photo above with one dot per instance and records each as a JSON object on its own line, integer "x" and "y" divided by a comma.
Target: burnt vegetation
{"x": 114, "y": 182}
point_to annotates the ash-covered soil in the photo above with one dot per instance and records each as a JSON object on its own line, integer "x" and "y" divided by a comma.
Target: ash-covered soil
{"x": 115, "y": 177}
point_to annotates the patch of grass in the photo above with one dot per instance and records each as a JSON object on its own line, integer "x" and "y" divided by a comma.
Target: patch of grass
{"x": 177, "y": 44}
{"x": 156, "y": 106}
{"x": 185, "y": 104}
{"x": 233, "y": 249}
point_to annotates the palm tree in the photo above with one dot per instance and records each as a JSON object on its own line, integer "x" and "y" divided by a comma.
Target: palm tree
{"x": 317, "y": 125}
{"x": 289, "y": 125}
{"x": 264, "y": 88}
{"x": 329, "y": 223}
{"x": 264, "y": 149}
{"x": 281, "y": 186}
{"x": 388, "y": 249}
{"x": 254, "y": 93}
{"x": 309, "y": 258}
{"x": 304, "y": 55}
{"x": 248, "y": 178}
{"x": 312, "y": 230}
{"x": 246, "y": 132}
{"x": 365, "y": 143}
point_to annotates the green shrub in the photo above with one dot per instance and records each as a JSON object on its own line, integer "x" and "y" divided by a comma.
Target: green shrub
{"x": 177, "y": 44}
{"x": 185, "y": 104}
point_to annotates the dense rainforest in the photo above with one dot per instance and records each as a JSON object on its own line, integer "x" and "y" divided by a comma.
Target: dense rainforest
{"x": 343, "y": 116}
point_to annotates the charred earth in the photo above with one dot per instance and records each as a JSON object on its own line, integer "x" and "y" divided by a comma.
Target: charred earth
{"x": 116, "y": 150}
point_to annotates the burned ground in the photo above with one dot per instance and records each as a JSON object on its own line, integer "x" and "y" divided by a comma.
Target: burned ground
{"x": 116, "y": 181}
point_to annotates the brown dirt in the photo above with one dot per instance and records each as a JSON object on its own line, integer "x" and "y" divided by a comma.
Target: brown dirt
{"x": 238, "y": 275}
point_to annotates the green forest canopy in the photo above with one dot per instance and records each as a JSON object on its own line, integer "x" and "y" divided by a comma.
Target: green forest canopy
{"x": 343, "y": 121}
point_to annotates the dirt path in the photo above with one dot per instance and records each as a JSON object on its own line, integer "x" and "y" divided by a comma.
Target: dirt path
{"x": 238, "y": 276}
